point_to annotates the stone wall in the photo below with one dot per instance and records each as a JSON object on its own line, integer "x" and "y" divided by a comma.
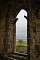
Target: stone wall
{"x": 34, "y": 28}
{"x": 35, "y": 36}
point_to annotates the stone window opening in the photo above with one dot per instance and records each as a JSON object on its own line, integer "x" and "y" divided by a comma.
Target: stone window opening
{"x": 21, "y": 32}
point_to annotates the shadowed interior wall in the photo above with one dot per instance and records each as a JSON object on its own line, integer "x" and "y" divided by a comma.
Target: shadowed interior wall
{"x": 34, "y": 26}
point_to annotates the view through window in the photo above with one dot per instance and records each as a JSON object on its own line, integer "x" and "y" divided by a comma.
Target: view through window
{"x": 21, "y": 32}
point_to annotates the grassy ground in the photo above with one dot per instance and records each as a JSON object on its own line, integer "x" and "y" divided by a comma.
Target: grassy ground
{"x": 21, "y": 46}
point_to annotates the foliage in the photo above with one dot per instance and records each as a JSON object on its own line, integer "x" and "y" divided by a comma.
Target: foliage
{"x": 21, "y": 46}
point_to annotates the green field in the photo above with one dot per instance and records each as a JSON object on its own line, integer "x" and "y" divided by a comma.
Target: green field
{"x": 21, "y": 46}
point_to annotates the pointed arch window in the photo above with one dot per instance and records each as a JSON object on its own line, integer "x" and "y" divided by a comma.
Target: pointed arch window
{"x": 21, "y": 32}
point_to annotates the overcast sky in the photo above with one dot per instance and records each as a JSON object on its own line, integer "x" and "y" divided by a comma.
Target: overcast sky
{"x": 21, "y": 25}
